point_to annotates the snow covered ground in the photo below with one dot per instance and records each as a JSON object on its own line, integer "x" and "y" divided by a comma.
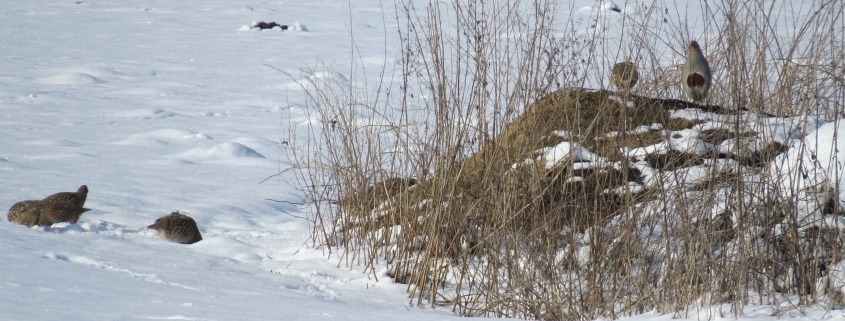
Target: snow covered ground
{"x": 170, "y": 105}
{"x": 160, "y": 107}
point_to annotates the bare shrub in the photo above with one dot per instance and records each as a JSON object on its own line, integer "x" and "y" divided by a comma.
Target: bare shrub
{"x": 444, "y": 173}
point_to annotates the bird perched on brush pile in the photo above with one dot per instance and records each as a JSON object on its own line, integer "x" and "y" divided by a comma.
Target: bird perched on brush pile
{"x": 624, "y": 75}
{"x": 695, "y": 76}
{"x": 178, "y": 228}
{"x": 25, "y": 212}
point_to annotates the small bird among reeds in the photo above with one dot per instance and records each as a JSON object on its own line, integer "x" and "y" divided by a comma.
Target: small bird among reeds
{"x": 624, "y": 75}
{"x": 178, "y": 228}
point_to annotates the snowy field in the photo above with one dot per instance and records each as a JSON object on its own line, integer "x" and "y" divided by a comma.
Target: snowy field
{"x": 170, "y": 105}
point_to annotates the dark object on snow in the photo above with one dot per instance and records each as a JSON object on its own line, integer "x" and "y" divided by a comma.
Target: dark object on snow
{"x": 77, "y": 198}
{"x": 25, "y": 212}
{"x": 58, "y": 212}
{"x": 178, "y": 228}
{"x": 269, "y": 25}
{"x": 56, "y": 208}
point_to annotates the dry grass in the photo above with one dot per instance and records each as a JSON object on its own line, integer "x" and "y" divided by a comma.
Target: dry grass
{"x": 464, "y": 209}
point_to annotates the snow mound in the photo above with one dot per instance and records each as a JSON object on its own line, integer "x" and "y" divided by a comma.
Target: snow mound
{"x": 163, "y": 137}
{"x": 565, "y": 151}
{"x": 299, "y": 27}
{"x": 265, "y": 145}
{"x": 318, "y": 78}
{"x": 71, "y": 78}
{"x": 329, "y": 76}
{"x": 228, "y": 150}
{"x": 609, "y": 6}
{"x": 812, "y": 168}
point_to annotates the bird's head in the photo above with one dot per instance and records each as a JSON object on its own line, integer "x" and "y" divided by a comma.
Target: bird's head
{"x": 693, "y": 46}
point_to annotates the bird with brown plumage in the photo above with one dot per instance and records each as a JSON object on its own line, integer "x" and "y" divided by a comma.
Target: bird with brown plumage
{"x": 696, "y": 78}
{"x": 25, "y": 212}
{"x": 624, "y": 75}
{"x": 58, "y": 212}
{"x": 178, "y": 228}
{"x": 56, "y": 208}
{"x": 76, "y": 198}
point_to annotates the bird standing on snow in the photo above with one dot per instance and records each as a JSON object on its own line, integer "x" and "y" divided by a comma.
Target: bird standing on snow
{"x": 57, "y": 212}
{"x": 77, "y": 198}
{"x": 624, "y": 75}
{"x": 696, "y": 74}
{"x": 178, "y": 228}
{"x": 25, "y": 212}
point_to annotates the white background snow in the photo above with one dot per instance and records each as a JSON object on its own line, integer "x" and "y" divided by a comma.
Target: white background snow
{"x": 169, "y": 105}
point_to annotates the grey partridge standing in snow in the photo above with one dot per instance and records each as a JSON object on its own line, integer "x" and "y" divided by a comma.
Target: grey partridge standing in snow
{"x": 58, "y": 212}
{"x": 178, "y": 228}
{"x": 25, "y": 212}
{"x": 696, "y": 78}
{"x": 77, "y": 198}
{"x": 624, "y": 75}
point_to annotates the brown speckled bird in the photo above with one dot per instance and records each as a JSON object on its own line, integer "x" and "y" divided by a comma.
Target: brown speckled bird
{"x": 25, "y": 212}
{"x": 178, "y": 228}
{"x": 58, "y": 212}
{"x": 77, "y": 198}
{"x": 624, "y": 75}
{"x": 696, "y": 77}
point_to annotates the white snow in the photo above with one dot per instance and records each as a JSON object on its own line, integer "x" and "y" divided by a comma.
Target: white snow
{"x": 159, "y": 107}
{"x": 811, "y": 171}
{"x": 568, "y": 151}
{"x": 165, "y": 106}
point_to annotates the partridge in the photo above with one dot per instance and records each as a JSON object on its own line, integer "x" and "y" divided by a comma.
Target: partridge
{"x": 696, "y": 77}
{"x": 178, "y": 228}
{"x": 624, "y": 75}
{"x": 77, "y": 198}
{"x": 25, "y": 212}
{"x": 57, "y": 212}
